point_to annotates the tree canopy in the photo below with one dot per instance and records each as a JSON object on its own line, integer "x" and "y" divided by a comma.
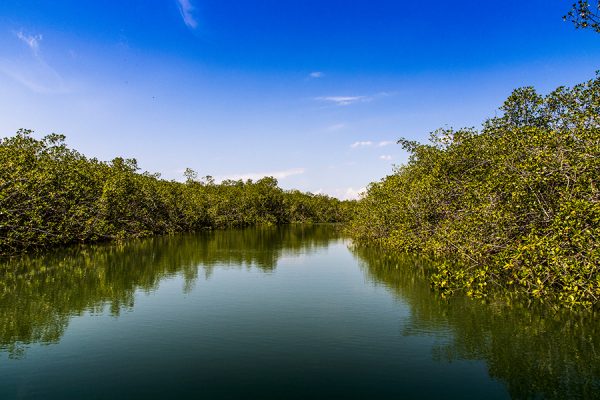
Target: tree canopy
{"x": 515, "y": 204}
{"x": 52, "y": 195}
{"x": 585, "y": 14}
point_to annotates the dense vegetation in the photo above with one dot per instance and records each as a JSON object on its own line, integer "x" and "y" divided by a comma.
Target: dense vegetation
{"x": 52, "y": 195}
{"x": 516, "y": 204}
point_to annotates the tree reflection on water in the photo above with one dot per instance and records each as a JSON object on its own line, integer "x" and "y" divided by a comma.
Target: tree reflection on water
{"x": 537, "y": 351}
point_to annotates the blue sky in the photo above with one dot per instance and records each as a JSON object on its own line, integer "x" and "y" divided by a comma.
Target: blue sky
{"x": 314, "y": 93}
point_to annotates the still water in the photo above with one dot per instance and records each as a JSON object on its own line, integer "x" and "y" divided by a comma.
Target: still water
{"x": 280, "y": 313}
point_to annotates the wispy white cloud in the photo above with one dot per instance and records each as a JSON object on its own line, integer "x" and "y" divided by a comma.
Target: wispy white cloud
{"x": 39, "y": 78}
{"x": 348, "y": 193}
{"x": 33, "y": 72}
{"x": 385, "y": 157}
{"x": 186, "y": 9}
{"x": 257, "y": 175}
{"x": 335, "y": 127}
{"x": 344, "y": 100}
{"x": 33, "y": 41}
{"x": 365, "y": 143}
{"x": 316, "y": 75}
{"x": 354, "y": 194}
{"x": 348, "y": 100}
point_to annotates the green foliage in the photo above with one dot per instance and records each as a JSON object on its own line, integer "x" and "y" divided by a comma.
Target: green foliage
{"x": 584, "y": 14}
{"x": 51, "y": 195}
{"x": 516, "y": 204}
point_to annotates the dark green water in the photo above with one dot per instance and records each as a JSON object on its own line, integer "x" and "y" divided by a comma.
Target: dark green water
{"x": 272, "y": 313}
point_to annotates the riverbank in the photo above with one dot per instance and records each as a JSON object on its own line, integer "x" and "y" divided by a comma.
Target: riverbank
{"x": 51, "y": 195}
{"x": 515, "y": 205}
{"x": 293, "y": 309}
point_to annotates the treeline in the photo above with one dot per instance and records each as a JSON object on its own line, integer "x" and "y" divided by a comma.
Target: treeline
{"x": 516, "y": 204}
{"x": 52, "y": 195}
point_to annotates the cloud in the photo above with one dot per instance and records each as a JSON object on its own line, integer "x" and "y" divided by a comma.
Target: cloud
{"x": 186, "y": 10}
{"x": 33, "y": 72}
{"x": 366, "y": 143}
{"x": 344, "y": 100}
{"x": 354, "y": 194}
{"x": 347, "y": 100}
{"x": 385, "y": 157}
{"x": 344, "y": 193}
{"x": 33, "y": 41}
{"x": 257, "y": 175}
{"x": 361, "y": 144}
{"x": 39, "y": 78}
{"x": 335, "y": 127}
{"x": 316, "y": 75}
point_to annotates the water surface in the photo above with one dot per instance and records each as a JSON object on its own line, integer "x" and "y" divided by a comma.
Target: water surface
{"x": 292, "y": 312}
